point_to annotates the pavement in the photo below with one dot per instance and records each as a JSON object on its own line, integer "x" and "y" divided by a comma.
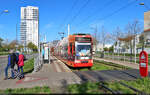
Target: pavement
{"x": 51, "y": 75}
{"x": 4, "y": 61}
{"x": 57, "y": 76}
{"x": 129, "y": 64}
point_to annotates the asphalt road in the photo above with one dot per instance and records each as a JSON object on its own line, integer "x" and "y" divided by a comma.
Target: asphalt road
{"x": 3, "y": 63}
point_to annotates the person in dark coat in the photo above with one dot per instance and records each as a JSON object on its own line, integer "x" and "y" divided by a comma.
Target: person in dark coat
{"x": 11, "y": 64}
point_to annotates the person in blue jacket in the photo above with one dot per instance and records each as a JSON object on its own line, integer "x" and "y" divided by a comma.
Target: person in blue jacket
{"x": 11, "y": 64}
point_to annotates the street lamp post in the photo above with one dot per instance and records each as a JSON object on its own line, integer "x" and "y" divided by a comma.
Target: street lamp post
{"x": 4, "y": 11}
{"x": 143, "y": 4}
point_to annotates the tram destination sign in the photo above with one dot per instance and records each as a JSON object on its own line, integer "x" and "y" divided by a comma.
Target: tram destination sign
{"x": 83, "y": 39}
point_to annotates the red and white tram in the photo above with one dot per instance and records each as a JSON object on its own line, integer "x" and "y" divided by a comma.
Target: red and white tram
{"x": 75, "y": 50}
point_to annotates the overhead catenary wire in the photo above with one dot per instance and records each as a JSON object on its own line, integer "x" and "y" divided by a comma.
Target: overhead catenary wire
{"x": 96, "y": 12}
{"x": 111, "y": 14}
{"x": 116, "y": 11}
{"x": 80, "y": 10}
{"x": 68, "y": 14}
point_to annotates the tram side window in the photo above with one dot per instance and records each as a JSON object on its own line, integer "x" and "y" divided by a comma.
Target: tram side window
{"x": 71, "y": 48}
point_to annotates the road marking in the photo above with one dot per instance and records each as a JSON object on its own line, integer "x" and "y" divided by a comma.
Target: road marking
{"x": 30, "y": 79}
{"x": 4, "y": 56}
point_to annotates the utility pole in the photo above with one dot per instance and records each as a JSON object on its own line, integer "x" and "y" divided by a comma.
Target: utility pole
{"x": 95, "y": 29}
{"x": 96, "y": 38}
{"x": 135, "y": 48}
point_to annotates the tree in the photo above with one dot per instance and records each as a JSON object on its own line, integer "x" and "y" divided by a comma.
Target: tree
{"x": 117, "y": 33}
{"x": 111, "y": 49}
{"x": 106, "y": 49}
{"x": 95, "y": 41}
{"x": 32, "y": 46}
{"x": 12, "y": 45}
{"x": 20, "y": 47}
{"x": 132, "y": 30}
{"x": 1, "y": 40}
{"x": 95, "y": 38}
{"x": 104, "y": 38}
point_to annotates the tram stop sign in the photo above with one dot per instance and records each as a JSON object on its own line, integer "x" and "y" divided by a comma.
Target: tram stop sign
{"x": 143, "y": 65}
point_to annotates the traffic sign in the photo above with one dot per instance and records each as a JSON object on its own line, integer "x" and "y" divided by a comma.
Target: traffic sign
{"x": 143, "y": 64}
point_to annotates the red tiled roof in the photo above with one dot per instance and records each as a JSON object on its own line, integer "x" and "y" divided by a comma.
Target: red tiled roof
{"x": 147, "y": 30}
{"x": 127, "y": 39}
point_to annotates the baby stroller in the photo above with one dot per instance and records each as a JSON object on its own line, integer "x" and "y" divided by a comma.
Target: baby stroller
{"x": 17, "y": 74}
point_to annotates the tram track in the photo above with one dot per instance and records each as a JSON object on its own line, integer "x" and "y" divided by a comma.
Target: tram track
{"x": 102, "y": 85}
{"x": 105, "y": 87}
{"x": 112, "y": 65}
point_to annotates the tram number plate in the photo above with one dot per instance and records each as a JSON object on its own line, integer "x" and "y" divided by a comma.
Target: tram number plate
{"x": 84, "y": 61}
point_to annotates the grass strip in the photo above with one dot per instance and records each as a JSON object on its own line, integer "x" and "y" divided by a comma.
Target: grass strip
{"x": 102, "y": 65}
{"x": 28, "y": 66}
{"x": 35, "y": 90}
{"x": 142, "y": 84}
{"x": 4, "y": 53}
{"x": 89, "y": 87}
{"x": 112, "y": 64}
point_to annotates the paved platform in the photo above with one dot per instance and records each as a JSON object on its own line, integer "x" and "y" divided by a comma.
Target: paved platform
{"x": 58, "y": 77}
{"x": 47, "y": 76}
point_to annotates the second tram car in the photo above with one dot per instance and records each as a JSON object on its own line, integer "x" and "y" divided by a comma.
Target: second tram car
{"x": 75, "y": 50}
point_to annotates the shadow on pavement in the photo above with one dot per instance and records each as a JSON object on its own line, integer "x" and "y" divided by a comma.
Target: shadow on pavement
{"x": 30, "y": 71}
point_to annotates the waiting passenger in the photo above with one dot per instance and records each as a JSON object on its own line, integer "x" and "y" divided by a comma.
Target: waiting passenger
{"x": 21, "y": 63}
{"x": 11, "y": 64}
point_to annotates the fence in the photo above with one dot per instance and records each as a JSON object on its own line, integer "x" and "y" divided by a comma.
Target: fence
{"x": 37, "y": 64}
{"x": 121, "y": 57}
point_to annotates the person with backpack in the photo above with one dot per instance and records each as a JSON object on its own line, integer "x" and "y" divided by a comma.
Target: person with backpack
{"x": 11, "y": 64}
{"x": 20, "y": 63}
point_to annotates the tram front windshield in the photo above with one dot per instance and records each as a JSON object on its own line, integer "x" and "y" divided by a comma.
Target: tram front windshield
{"x": 83, "y": 50}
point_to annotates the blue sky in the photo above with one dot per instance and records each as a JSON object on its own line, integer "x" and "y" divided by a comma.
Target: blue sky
{"x": 54, "y": 15}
